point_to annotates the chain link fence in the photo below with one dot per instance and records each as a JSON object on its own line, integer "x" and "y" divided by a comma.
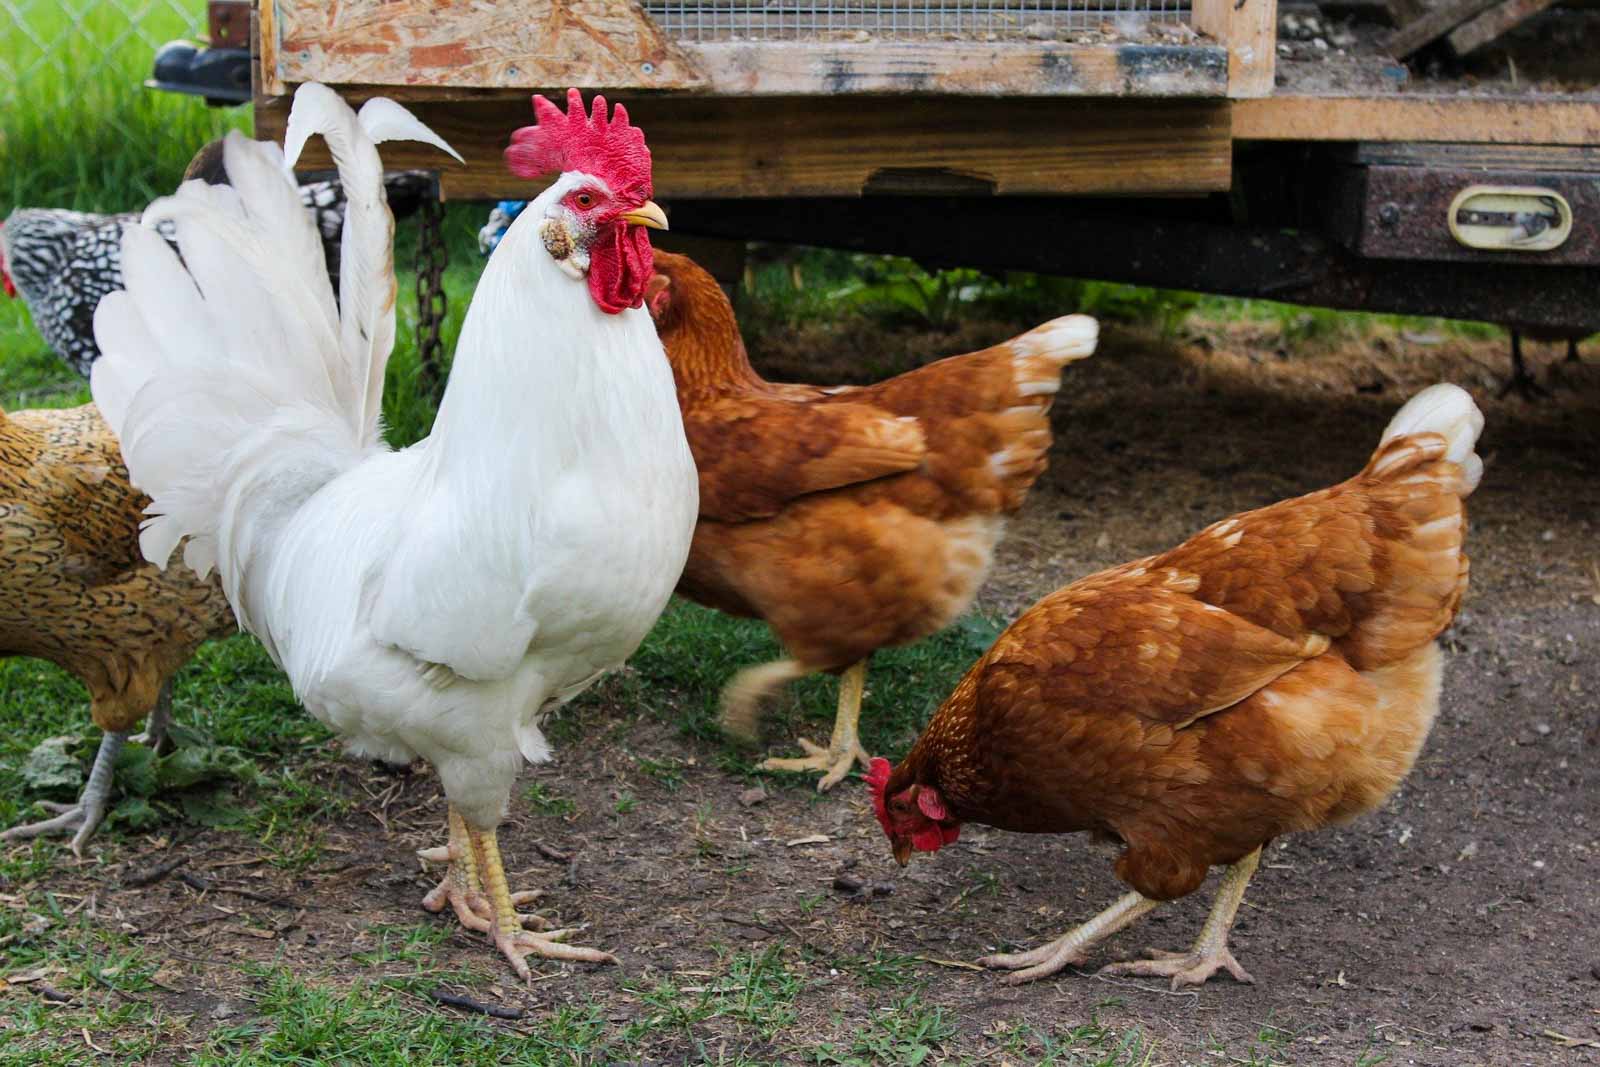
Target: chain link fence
{"x": 51, "y": 47}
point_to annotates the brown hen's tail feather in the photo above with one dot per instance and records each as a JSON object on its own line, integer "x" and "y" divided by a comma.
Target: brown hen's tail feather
{"x": 1423, "y": 469}
{"x": 987, "y": 413}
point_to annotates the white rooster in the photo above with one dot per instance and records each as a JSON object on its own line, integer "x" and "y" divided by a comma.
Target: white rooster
{"x": 434, "y": 601}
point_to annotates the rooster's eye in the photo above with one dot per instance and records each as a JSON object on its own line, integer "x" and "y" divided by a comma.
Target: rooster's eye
{"x": 585, "y": 200}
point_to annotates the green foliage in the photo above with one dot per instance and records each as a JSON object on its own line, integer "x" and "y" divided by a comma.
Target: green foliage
{"x": 893, "y": 285}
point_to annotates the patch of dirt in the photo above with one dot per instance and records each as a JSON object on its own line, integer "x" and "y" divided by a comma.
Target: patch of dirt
{"x": 1454, "y": 927}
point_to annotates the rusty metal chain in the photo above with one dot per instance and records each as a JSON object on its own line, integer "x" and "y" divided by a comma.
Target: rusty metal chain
{"x": 433, "y": 255}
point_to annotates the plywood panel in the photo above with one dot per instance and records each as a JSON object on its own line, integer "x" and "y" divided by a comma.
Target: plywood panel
{"x": 838, "y": 146}
{"x": 484, "y": 44}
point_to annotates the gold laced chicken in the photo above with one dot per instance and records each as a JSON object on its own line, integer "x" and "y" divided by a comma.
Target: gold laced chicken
{"x": 75, "y": 590}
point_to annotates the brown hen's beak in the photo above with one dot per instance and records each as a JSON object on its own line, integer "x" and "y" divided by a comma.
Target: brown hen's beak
{"x": 902, "y": 852}
{"x": 648, "y": 214}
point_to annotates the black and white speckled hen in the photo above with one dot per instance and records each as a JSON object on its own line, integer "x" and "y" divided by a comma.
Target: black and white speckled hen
{"x": 62, "y": 262}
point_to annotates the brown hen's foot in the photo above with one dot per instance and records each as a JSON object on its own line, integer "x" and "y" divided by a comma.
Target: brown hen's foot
{"x": 89, "y": 812}
{"x": 462, "y": 889}
{"x": 834, "y": 764}
{"x": 844, "y": 748}
{"x": 513, "y": 942}
{"x": 1184, "y": 968}
{"x": 1069, "y": 949}
{"x": 1210, "y": 952}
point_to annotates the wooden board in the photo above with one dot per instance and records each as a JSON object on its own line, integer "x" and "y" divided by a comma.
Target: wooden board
{"x": 613, "y": 44}
{"x": 1557, "y": 158}
{"x": 484, "y": 44}
{"x": 1434, "y": 24}
{"x": 840, "y": 146}
{"x": 1494, "y": 22}
{"x": 1249, "y": 30}
{"x": 1467, "y": 119}
{"x": 804, "y": 68}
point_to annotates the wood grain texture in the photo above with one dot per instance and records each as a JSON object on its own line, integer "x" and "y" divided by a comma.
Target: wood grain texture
{"x": 1462, "y": 119}
{"x": 1434, "y": 24}
{"x": 1249, "y": 31}
{"x": 611, "y": 44}
{"x": 834, "y": 146}
{"x": 482, "y": 44}
{"x": 74, "y": 589}
{"x": 801, "y": 68}
{"x": 1489, "y": 26}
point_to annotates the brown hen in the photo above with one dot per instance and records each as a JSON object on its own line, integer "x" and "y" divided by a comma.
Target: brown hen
{"x": 74, "y": 589}
{"x": 1277, "y": 672}
{"x": 849, "y": 518}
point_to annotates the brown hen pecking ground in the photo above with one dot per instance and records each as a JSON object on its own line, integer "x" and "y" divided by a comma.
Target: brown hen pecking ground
{"x": 1457, "y": 926}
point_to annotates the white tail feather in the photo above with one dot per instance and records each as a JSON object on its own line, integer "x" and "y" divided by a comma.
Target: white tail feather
{"x": 234, "y": 385}
{"x": 1446, "y": 410}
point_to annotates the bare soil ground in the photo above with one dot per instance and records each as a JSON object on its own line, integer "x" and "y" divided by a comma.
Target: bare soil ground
{"x": 1455, "y": 927}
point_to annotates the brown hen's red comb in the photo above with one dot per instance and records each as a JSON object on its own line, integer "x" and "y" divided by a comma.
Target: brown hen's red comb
{"x": 604, "y": 146}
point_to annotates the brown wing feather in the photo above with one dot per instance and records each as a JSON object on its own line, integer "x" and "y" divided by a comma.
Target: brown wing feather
{"x": 755, "y": 454}
{"x": 1135, "y": 641}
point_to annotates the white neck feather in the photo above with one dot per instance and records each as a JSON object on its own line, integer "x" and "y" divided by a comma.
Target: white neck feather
{"x": 541, "y": 373}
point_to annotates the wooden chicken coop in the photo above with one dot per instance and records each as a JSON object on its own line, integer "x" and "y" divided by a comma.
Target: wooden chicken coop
{"x": 1399, "y": 156}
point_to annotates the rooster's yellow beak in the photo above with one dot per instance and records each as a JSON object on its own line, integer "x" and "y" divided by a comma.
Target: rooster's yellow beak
{"x": 902, "y": 852}
{"x": 648, "y": 214}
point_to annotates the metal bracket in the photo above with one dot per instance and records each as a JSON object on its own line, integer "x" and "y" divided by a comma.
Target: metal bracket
{"x": 1510, "y": 218}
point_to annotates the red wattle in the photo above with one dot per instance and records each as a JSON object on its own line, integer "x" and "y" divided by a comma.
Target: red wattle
{"x": 620, "y": 265}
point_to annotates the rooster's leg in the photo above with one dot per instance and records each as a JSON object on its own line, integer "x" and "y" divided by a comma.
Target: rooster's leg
{"x": 509, "y": 937}
{"x": 90, "y": 810}
{"x": 844, "y": 748}
{"x": 1210, "y": 952}
{"x": 1069, "y": 949}
{"x": 462, "y": 888}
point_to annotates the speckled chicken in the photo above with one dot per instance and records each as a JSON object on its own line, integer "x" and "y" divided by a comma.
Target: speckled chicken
{"x": 61, "y": 263}
{"x": 1276, "y": 673}
{"x": 74, "y": 589}
{"x": 849, "y": 518}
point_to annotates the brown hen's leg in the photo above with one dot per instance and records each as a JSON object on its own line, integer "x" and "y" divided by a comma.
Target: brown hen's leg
{"x": 1069, "y": 949}
{"x": 1210, "y": 952}
{"x": 509, "y": 937}
{"x": 844, "y": 748}
{"x": 86, "y": 815}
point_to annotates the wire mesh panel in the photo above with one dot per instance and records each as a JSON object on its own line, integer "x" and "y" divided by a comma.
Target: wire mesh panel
{"x": 779, "y": 20}
{"x": 48, "y": 47}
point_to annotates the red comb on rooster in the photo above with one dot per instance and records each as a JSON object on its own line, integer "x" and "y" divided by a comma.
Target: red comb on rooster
{"x": 606, "y": 147}
{"x": 599, "y": 229}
